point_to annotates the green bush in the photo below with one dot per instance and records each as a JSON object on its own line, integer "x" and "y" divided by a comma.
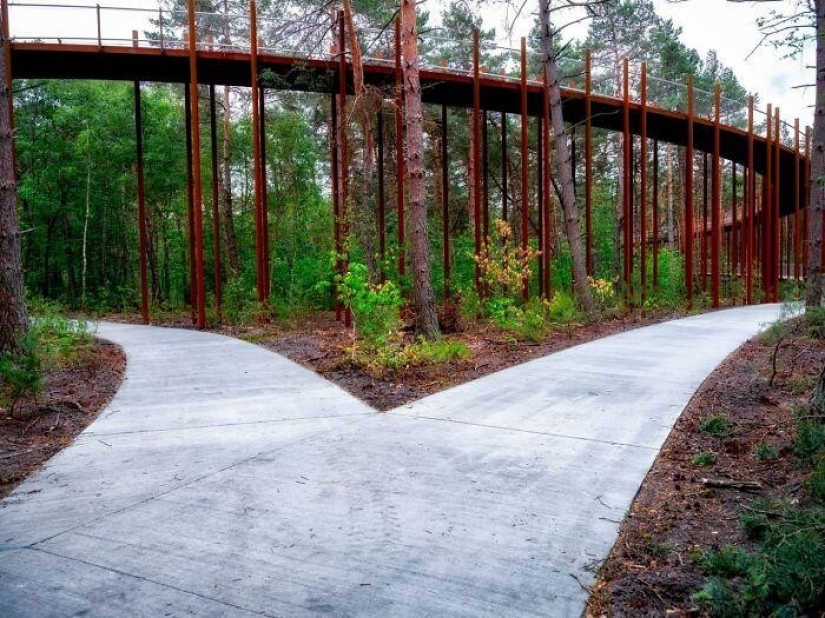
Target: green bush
{"x": 375, "y": 307}
{"x": 434, "y": 352}
{"x": 703, "y": 460}
{"x": 785, "y": 576}
{"x": 716, "y": 426}
{"x": 22, "y": 374}
{"x": 766, "y": 452}
{"x": 239, "y": 301}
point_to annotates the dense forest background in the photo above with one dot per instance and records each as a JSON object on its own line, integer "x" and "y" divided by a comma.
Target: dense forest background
{"x": 77, "y": 181}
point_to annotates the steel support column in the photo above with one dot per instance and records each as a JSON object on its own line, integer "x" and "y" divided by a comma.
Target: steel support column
{"x": 627, "y": 170}
{"x": 750, "y": 205}
{"x": 143, "y": 237}
{"x": 716, "y": 207}
{"x": 216, "y": 217}
{"x": 588, "y": 161}
{"x": 643, "y": 186}
{"x": 445, "y": 200}
{"x": 196, "y": 168}
{"x": 261, "y": 268}
{"x": 476, "y": 155}
{"x": 688, "y": 231}
{"x": 525, "y": 167}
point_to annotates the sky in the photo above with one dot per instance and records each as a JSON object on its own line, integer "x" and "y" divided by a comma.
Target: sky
{"x": 728, "y": 27}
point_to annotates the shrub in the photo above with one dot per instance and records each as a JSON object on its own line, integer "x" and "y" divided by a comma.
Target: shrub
{"x": 375, "y": 307}
{"x": 766, "y": 452}
{"x": 21, "y": 374}
{"x": 785, "y": 576}
{"x": 703, "y": 460}
{"x": 716, "y": 426}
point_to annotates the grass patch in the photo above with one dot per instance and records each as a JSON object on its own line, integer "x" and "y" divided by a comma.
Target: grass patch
{"x": 717, "y": 426}
{"x": 703, "y": 460}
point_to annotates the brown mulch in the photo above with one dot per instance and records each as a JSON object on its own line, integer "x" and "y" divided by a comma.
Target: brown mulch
{"x": 322, "y": 344}
{"x": 71, "y": 399}
{"x": 650, "y": 571}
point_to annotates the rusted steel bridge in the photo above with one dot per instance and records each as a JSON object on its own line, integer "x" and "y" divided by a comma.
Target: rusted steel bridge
{"x": 759, "y": 236}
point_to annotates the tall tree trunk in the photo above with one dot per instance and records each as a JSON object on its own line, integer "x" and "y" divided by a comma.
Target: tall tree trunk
{"x": 669, "y": 215}
{"x": 567, "y": 194}
{"x": 13, "y": 317}
{"x": 814, "y": 284}
{"x": 426, "y": 319}
{"x": 226, "y": 189}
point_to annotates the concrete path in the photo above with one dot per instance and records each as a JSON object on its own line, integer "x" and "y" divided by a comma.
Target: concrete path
{"x": 224, "y": 480}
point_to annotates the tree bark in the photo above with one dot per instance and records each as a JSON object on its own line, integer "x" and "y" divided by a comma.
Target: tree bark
{"x": 226, "y": 189}
{"x": 14, "y": 321}
{"x": 814, "y": 282}
{"x": 426, "y": 318}
{"x": 567, "y": 195}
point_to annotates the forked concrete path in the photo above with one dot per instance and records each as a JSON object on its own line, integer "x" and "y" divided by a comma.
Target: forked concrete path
{"x": 224, "y": 480}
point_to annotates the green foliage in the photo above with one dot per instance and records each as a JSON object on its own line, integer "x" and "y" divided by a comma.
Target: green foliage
{"x": 810, "y": 436}
{"x": 815, "y": 322}
{"x": 604, "y": 293}
{"x": 239, "y": 301}
{"x": 717, "y": 425}
{"x": 766, "y": 452}
{"x": 816, "y": 483}
{"x": 434, "y": 352}
{"x": 703, "y": 460}
{"x": 52, "y": 341}
{"x": 671, "y": 292}
{"x": 375, "y": 307}
{"x": 785, "y": 576}
{"x": 21, "y": 374}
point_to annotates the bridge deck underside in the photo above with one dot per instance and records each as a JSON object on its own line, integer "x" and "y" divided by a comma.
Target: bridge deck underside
{"x": 60, "y": 61}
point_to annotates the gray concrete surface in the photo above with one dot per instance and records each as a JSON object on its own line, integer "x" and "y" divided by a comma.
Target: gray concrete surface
{"x": 224, "y": 480}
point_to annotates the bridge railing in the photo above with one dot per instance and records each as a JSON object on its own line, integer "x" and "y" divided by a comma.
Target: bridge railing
{"x": 315, "y": 36}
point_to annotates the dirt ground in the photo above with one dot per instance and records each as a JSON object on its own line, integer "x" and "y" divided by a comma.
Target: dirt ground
{"x": 71, "y": 398}
{"x": 321, "y": 344}
{"x": 678, "y": 510}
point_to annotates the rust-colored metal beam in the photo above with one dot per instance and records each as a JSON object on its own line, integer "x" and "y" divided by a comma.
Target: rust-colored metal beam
{"x": 588, "y": 161}
{"x": 190, "y": 203}
{"x": 750, "y": 205}
{"x": 643, "y": 186}
{"x": 445, "y": 199}
{"x": 382, "y": 199}
{"x": 336, "y": 197}
{"x": 797, "y": 214}
{"x": 216, "y": 217}
{"x": 504, "y": 176}
{"x": 399, "y": 150}
{"x": 688, "y": 231}
{"x": 655, "y": 218}
{"x": 777, "y": 196}
{"x": 733, "y": 254}
{"x": 485, "y": 177}
{"x": 716, "y": 209}
{"x": 703, "y": 238}
{"x": 264, "y": 190}
{"x": 525, "y": 167}
{"x": 143, "y": 237}
{"x": 767, "y": 217}
{"x": 806, "y": 196}
{"x": 627, "y": 171}
{"x": 261, "y": 270}
{"x": 476, "y": 155}
{"x": 343, "y": 145}
{"x": 196, "y": 168}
